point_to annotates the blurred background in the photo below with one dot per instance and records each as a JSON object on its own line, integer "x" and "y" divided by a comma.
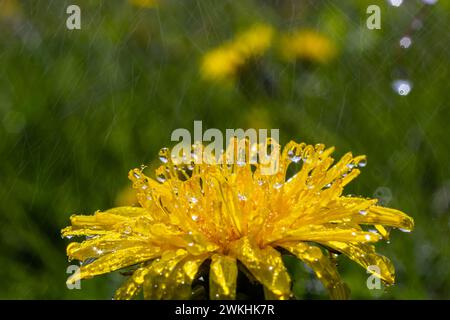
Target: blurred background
{"x": 80, "y": 108}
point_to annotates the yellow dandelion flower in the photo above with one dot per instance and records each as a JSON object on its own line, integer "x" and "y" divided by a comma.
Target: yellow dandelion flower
{"x": 308, "y": 45}
{"x": 221, "y": 63}
{"x": 224, "y": 61}
{"x": 225, "y": 213}
{"x": 254, "y": 41}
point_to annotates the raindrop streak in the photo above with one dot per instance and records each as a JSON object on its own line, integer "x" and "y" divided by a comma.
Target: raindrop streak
{"x": 402, "y": 87}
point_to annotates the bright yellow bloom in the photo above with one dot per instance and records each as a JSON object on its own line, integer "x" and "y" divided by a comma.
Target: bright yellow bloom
{"x": 224, "y": 213}
{"x": 308, "y": 45}
{"x": 225, "y": 61}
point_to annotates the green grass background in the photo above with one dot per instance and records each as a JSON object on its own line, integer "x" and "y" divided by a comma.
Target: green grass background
{"x": 78, "y": 109}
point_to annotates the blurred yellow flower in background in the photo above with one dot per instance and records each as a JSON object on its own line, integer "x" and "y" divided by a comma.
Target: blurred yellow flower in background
{"x": 225, "y": 61}
{"x": 308, "y": 45}
{"x": 225, "y": 213}
{"x": 144, "y": 3}
{"x": 9, "y": 8}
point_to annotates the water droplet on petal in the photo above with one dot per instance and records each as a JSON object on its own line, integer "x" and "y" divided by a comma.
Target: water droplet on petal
{"x": 293, "y": 157}
{"x": 362, "y": 163}
{"x": 163, "y": 155}
{"x": 127, "y": 230}
{"x": 242, "y": 197}
{"x": 161, "y": 178}
{"x": 363, "y": 212}
{"x": 404, "y": 230}
{"x": 194, "y": 217}
{"x": 277, "y": 185}
{"x": 193, "y": 200}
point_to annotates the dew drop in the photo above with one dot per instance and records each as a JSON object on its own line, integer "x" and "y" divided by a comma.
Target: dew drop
{"x": 277, "y": 185}
{"x": 194, "y": 217}
{"x": 402, "y": 87}
{"x": 161, "y": 178}
{"x": 363, "y": 212}
{"x": 127, "y": 230}
{"x": 404, "y": 230}
{"x": 293, "y": 157}
{"x": 395, "y": 3}
{"x": 362, "y": 163}
{"x": 163, "y": 155}
{"x": 240, "y": 163}
{"x": 405, "y": 42}
{"x": 242, "y": 197}
{"x": 193, "y": 200}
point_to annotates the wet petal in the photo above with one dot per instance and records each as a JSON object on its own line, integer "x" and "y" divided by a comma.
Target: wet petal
{"x": 160, "y": 278}
{"x": 222, "y": 277}
{"x": 105, "y": 244}
{"x": 133, "y": 285}
{"x": 320, "y": 233}
{"x": 323, "y": 267}
{"x": 115, "y": 261}
{"x": 183, "y": 276}
{"x": 387, "y": 217}
{"x": 265, "y": 265}
{"x": 365, "y": 255}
